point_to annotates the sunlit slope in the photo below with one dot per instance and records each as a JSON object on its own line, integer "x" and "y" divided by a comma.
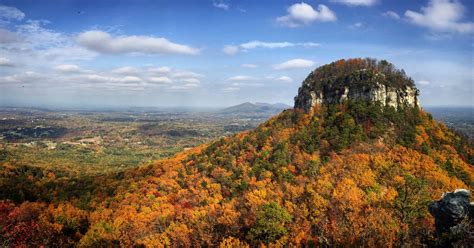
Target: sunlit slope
{"x": 344, "y": 174}
{"x": 341, "y": 169}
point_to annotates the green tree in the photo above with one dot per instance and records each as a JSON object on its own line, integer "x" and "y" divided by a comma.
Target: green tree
{"x": 410, "y": 205}
{"x": 270, "y": 223}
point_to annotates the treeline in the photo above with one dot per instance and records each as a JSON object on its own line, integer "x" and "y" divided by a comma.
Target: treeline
{"x": 343, "y": 69}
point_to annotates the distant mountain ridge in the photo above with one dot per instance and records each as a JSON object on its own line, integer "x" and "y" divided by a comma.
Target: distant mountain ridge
{"x": 255, "y": 108}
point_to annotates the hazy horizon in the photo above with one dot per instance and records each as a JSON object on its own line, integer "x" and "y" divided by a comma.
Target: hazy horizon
{"x": 173, "y": 108}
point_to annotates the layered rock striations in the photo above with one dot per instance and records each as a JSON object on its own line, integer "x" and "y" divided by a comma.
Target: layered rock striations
{"x": 357, "y": 80}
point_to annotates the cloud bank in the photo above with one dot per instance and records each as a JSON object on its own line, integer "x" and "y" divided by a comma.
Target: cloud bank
{"x": 255, "y": 44}
{"x": 102, "y": 42}
{"x": 294, "y": 64}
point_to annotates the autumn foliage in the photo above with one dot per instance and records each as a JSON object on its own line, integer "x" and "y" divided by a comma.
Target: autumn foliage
{"x": 351, "y": 174}
{"x": 294, "y": 181}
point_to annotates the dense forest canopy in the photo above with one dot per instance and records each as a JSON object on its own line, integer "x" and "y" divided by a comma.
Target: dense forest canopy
{"x": 359, "y": 70}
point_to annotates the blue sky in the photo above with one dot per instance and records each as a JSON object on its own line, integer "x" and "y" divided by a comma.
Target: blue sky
{"x": 220, "y": 53}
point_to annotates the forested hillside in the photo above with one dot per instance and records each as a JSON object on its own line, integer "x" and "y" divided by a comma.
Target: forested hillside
{"x": 354, "y": 173}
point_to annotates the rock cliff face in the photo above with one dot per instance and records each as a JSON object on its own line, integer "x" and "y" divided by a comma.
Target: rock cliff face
{"x": 363, "y": 80}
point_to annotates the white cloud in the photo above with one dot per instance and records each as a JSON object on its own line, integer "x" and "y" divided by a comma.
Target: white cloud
{"x": 285, "y": 79}
{"x": 230, "y": 89}
{"x": 103, "y": 42}
{"x": 181, "y": 75}
{"x": 232, "y": 49}
{"x": 9, "y": 79}
{"x": 247, "y": 83}
{"x": 191, "y": 80}
{"x": 221, "y": 5}
{"x": 66, "y": 53}
{"x": 68, "y": 68}
{"x": 5, "y": 62}
{"x": 185, "y": 74}
{"x": 8, "y": 13}
{"x": 110, "y": 79}
{"x": 163, "y": 69}
{"x": 391, "y": 14}
{"x": 65, "y": 76}
{"x": 356, "y": 2}
{"x": 160, "y": 80}
{"x": 173, "y": 79}
{"x": 183, "y": 87}
{"x": 294, "y": 64}
{"x": 131, "y": 79}
{"x": 261, "y": 44}
{"x": 423, "y": 82}
{"x": 300, "y": 14}
{"x": 249, "y": 66}
{"x": 33, "y": 44}
{"x": 35, "y": 34}
{"x": 191, "y": 85}
{"x": 25, "y": 78}
{"x": 241, "y": 78}
{"x": 126, "y": 70}
{"x": 356, "y": 25}
{"x": 441, "y": 16}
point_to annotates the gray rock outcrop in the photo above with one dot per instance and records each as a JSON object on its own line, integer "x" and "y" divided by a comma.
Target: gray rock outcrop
{"x": 454, "y": 216}
{"x": 367, "y": 84}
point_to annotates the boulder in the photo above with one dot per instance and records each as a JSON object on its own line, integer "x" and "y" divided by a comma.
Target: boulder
{"x": 454, "y": 215}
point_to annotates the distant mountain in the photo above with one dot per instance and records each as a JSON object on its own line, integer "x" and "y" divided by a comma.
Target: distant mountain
{"x": 249, "y": 108}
